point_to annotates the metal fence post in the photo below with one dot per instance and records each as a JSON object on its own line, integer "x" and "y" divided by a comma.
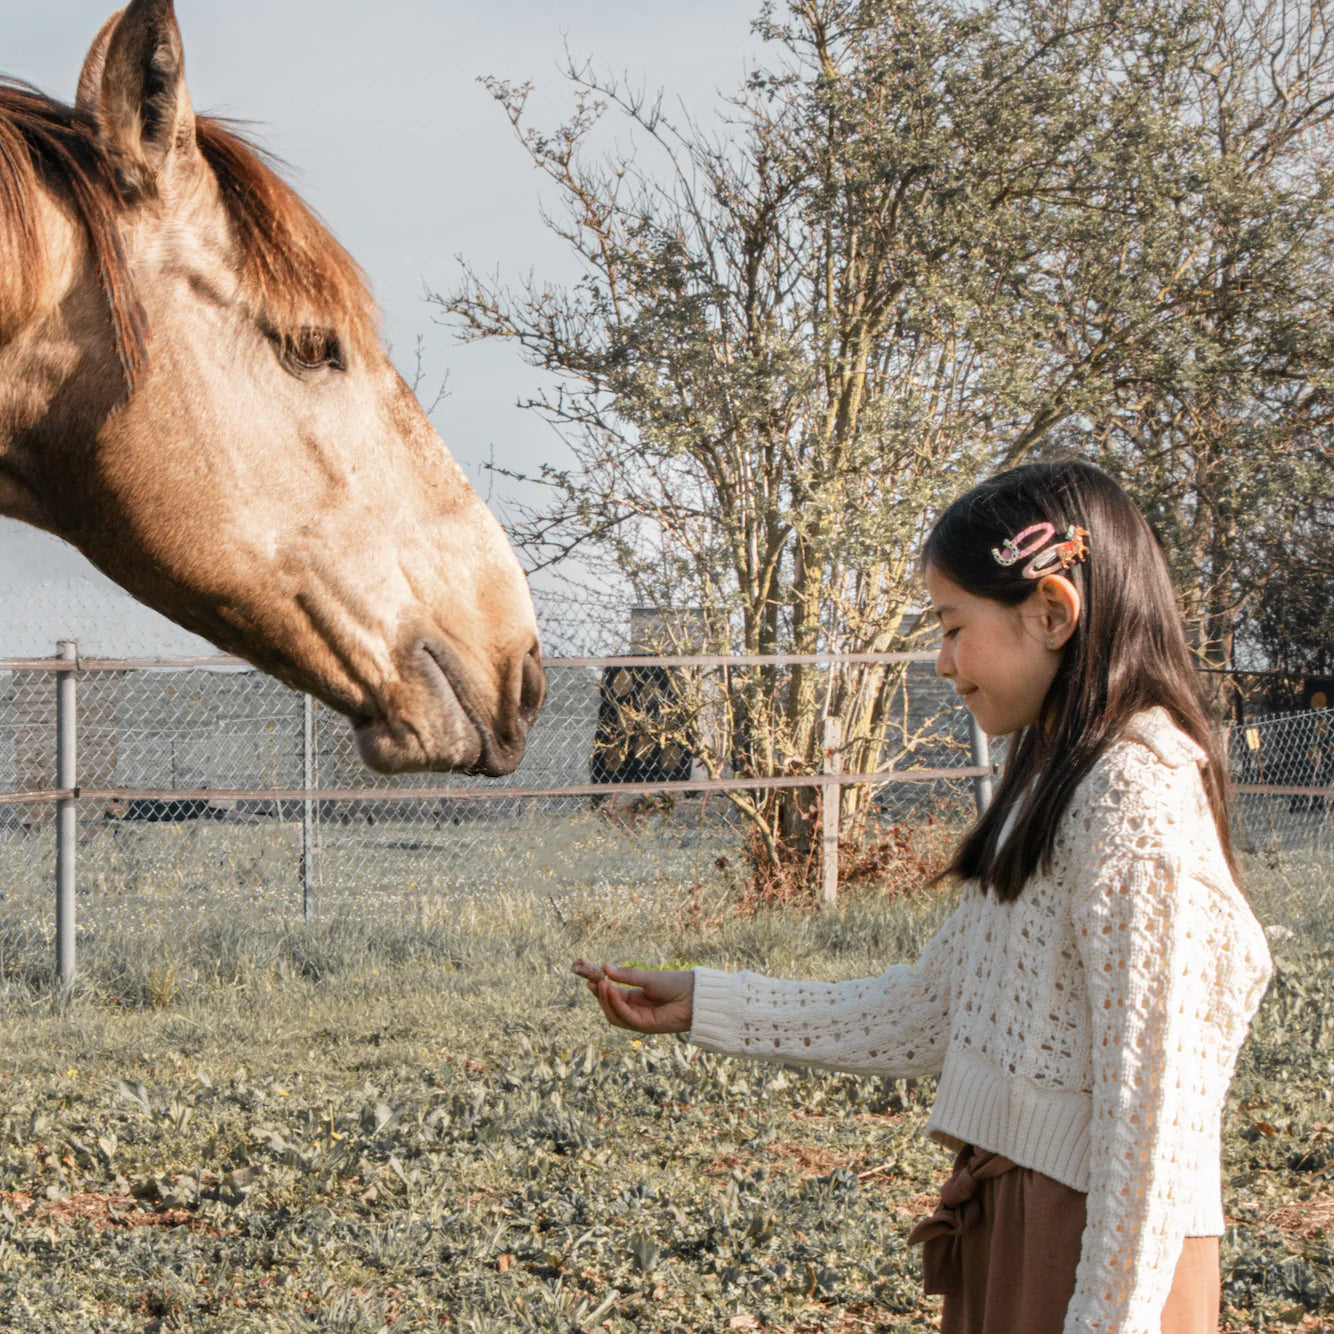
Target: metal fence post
{"x": 67, "y": 736}
{"x": 308, "y": 803}
{"x": 982, "y": 760}
{"x": 830, "y": 808}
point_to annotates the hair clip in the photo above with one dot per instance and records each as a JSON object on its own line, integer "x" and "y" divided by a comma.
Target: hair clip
{"x": 1063, "y": 554}
{"x": 1032, "y": 542}
{"x": 1024, "y": 544}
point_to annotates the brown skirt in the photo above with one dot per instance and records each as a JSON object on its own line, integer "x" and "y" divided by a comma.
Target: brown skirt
{"x": 1003, "y": 1246}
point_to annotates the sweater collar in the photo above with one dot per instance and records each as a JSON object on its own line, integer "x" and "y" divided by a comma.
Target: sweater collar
{"x": 1156, "y": 729}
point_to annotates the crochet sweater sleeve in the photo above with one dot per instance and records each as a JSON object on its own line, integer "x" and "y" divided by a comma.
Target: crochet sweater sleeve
{"x": 895, "y": 1024}
{"x": 1173, "y": 979}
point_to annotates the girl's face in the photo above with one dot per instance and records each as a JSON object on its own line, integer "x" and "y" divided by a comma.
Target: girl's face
{"x": 1002, "y": 660}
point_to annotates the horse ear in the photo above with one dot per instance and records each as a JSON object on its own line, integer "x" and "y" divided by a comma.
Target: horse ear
{"x": 142, "y": 107}
{"x": 90, "y": 77}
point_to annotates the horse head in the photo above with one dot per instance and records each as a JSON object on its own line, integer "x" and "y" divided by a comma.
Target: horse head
{"x": 193, "y": 392}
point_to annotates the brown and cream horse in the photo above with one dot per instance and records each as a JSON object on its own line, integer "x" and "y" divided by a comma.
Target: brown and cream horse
{"x": 194, "y": 394}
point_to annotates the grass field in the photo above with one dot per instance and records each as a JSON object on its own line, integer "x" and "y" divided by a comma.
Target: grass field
{"x": 420, "y": 1122}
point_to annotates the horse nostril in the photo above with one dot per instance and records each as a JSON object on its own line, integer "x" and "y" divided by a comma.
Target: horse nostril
{"x": 533, "y": 687}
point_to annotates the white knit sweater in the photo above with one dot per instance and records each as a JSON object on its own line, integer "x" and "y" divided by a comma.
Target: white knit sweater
{"x": 1087, "y": 1030}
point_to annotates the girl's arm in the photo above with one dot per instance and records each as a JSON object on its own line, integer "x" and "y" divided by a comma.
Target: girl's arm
{"x": 895, "y": 1024}
{"x": 1175, "y": 968}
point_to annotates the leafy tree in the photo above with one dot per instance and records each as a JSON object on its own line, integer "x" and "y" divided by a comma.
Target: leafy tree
{"x": 935, "y": 236}
{"x": 1293, "y": 614}
{"x": 1209, "y": 310}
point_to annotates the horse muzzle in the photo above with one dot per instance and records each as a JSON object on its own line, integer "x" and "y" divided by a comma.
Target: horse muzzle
{"x": 446, "y": 714}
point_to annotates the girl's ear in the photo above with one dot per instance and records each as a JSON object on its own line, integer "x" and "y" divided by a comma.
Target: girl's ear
{"x": 1060, "y": 604}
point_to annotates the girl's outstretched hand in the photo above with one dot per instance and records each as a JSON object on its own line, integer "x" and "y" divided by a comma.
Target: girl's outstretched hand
{"x": 657, "y": 1002}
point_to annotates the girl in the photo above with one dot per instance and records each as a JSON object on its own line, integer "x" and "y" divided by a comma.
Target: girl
{"x": 1085, "y": 1003}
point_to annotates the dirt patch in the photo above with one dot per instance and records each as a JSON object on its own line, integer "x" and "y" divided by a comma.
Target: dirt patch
{"x": 808, "y": 1160}
{"x": 103, "y": 1210}
{"x": 1306, "y": 1218}
{"x": 804, "y": 1160}
{"x": 918, "y": 1206}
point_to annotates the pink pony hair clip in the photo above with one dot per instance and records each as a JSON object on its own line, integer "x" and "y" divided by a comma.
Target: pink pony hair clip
{"x": 1043, "y": 559}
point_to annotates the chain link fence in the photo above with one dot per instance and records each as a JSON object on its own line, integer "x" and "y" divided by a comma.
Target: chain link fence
{"x": 1283, "y": 774}
{"x": 208, "y": 789}
{"x": 202, "y": 786}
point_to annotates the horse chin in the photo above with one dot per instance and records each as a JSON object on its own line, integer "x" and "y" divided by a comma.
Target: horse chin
{"x": 390, "y": 746}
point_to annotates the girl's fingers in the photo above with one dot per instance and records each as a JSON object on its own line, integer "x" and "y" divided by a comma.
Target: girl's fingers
{"x": 603, "y": 991}
{"x": 628, "y": 977}
{"x": 655, "y": 985}
{"x": 618, "y": 1000}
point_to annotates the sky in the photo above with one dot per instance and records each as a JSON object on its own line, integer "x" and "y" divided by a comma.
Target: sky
{"x": 377, "y": 111}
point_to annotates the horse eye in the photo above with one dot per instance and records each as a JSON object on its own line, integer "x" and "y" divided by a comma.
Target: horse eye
{"x": 311, "y": 349}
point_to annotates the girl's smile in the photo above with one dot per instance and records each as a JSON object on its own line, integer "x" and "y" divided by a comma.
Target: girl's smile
{"x": 1002, "y": 660}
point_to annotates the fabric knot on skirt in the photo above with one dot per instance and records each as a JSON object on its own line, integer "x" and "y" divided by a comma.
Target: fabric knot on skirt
{"x": 941, "y": 1235}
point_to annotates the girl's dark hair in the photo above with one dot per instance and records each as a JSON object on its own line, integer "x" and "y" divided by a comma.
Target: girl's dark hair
{"x": 1127, "y": 654}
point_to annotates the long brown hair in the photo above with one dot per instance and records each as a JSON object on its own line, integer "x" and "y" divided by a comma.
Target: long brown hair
{"x": 1128, "y": 653}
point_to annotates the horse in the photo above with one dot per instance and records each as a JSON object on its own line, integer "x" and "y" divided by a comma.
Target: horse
{"x": 193, "y": 392}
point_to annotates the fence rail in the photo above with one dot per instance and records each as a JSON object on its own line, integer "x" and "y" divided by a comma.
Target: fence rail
{"x": 621, "y": 660}
{"x": 786, "y": 782}
{"x": 878, "y": 776}
{"x": 1280, "y": 790}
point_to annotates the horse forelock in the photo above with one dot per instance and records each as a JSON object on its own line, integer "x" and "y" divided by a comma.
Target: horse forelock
{"x": 294, "y": 272}
{"x": 298, "y": 275}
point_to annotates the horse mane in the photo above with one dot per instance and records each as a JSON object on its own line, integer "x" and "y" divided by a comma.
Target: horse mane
{"x": 293, "y": 270}
{"x": 44, "y": 142}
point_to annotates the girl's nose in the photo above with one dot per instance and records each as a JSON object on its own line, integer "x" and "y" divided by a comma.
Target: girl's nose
{"x": 945, "y": 661}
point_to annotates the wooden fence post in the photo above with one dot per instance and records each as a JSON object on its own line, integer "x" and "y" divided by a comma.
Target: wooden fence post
{"x": 981, "y": 747}
{"x": 830, "y": 809}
